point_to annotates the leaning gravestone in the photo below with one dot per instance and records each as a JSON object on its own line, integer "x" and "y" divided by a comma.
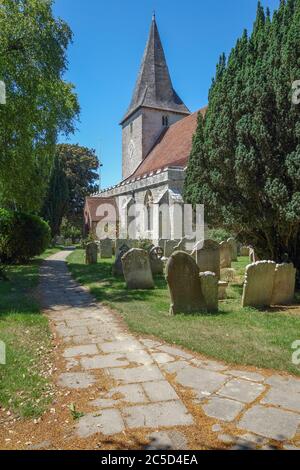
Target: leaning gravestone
{"x": 117, "y": 269}
{"x": 105, "y": 248}
{"x": 210, "y": 290}
{"x": 182, "y": 275}
{"x": 259, "y": 283}
{"x": 233, "y": 247}
{"x": 225, "y": 255}
{"x": 91, "y": 253}
{"x": 137, "y": 269}
{"x": 284, "y": 284}
{"x": 207, "y": 256}
{"x": 156, "y": 262}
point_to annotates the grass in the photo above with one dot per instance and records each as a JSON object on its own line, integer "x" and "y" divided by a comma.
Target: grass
{"x": 26, "y": 335}
{"x": 234, "y": 335}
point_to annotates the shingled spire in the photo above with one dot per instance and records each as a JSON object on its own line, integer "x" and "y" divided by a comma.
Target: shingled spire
{"x": 154, "y": 87}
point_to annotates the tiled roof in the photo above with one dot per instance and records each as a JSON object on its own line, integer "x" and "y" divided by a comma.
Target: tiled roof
{"x": 154, "y": 87}
{"x": 173, "y": 148}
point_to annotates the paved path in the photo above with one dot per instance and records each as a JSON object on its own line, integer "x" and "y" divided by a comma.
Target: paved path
{"x": 146, "y": 377}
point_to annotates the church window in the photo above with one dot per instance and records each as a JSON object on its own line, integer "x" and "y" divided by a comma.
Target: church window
{"x": 165, "y": 121}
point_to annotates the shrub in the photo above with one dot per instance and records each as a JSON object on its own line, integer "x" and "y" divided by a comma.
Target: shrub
{"x": 218, "y": 234}
{"x": 22, "y": 236}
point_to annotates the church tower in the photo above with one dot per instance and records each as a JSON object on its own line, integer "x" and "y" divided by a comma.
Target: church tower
{"x": 154, "y": 106}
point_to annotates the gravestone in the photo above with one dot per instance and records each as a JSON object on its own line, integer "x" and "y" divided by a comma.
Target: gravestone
{"x": 137, "y": 269}
{"x": 169, "y": 247}
{"x": 121, "y": 242}
{"x": 252, "y": 255}
{"x": 117, "y": 269}
{"x": 244, "y": 251}
{"x": 207, "y": 256}
{"x": 156, "y": 262}
{"x": 259, "y": 283}
{"x": 180, "y": 246}
{"x": 182, "y": 275}
{"x": 222, "y": 290}
{"x": 209, "y": 287}
{"x": 105, "y": 248}
{"x": 284, "y": 284}
{"x": 91, "y": 253}
{"x": 233, "y": 247}
{"x": 225, "y": 255}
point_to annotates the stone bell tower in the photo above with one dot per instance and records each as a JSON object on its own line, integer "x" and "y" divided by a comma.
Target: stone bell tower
{"x": 154, "y": 106}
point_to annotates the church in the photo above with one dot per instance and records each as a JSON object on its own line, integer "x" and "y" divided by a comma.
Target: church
{"x": 157, "y": 133}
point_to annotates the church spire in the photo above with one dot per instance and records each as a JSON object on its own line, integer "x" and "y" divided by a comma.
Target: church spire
{"x": 154, "y": 87}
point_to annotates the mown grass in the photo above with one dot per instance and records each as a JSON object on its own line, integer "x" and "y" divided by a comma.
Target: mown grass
{"x": 26, "y": 336}
{"x": 234, "y": 335}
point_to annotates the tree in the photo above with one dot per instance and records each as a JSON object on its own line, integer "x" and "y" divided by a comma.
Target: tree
{"x": 56, "y": 202}
{"x": 80, "y": 165}
{"x": 245, "y": 162}
{"x": 39, "y": 104}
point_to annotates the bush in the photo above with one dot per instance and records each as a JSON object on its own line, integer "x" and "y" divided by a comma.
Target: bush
{"x": 69, "y": 231}
{"x": 22, "y": 236}
{"x": 218, "y": 234}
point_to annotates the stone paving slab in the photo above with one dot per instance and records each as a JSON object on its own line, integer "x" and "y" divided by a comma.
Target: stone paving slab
{"x": 107, "y": 422}
{"x": 283, "y": 398}
{"x": 160, "y": 391}
{"x": 157, "y": 415}
{"x": 76, "y": 380}
{"x": 200, "y": 380}
{"x": 242, "y": 390}
{"x": 222, "y": 408}
{"x": 82, "y": 350}
{"x": 103, "y": 362}
{"x": 270, "y": 422}
{"x": 120, "y": 346}
{"x": 137, "y": 374}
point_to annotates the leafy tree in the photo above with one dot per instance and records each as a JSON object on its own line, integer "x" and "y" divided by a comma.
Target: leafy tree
{"x": 57, "y": 198}
{"x": 40, "y": 104}
{"x": 80, "y": 165}
{"x": 245, "y": 161}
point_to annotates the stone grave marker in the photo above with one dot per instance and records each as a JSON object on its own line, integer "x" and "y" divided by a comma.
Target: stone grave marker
{"x": 284, "y": 284}
{"x": 207, "y": 256}
{"x": 91, "y": 253}
{"x": 209, "y": 287}
{"x": 182, "y": 275}
{"x": 233, "y": 247}
{"x": 259, "y": 283}
{"x": 225, "y": 255}
{"x": 117, "y": 269}
{"x": 137, "y": 269}
{"x": 156, "y": 262}
{"x": 105, "y": 248}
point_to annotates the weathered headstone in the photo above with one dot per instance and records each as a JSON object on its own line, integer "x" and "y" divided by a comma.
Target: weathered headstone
{"x": 233, "y": 247}
{"x": 91, "y": 253}
{"x": 182, "y": 275}
{"x": 225, "y": 255}
{"x": 207, "y": 256}
{"x": 252, "y": 255}
{"x": 137, "y": 269}
{"x": 180, "y": 246}
{"x": 284, "y": 284}
{"x": 169, "y": 247}
{"x": 222, "y": 290}
{"x": 259, "y": 283}
{"x": 156, "y": 262}
{"x": 244, "y": 251}
{"x": 209, "y": 287}
{"x": 105, "y": 248}
{"x": 117, "y": 269}
{"x": 121, "y": 242}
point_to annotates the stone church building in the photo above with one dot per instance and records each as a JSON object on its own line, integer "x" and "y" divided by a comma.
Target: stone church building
{"x": 157, "y": 132}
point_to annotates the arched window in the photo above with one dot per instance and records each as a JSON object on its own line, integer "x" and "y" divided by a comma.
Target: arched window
{"x": 149, "y": 211}
{"x": 165, "y": 121}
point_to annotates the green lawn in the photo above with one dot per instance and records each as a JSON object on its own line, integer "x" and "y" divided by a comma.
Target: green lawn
{"x": 235, "y": 335}
{"x": 27, "y": 338}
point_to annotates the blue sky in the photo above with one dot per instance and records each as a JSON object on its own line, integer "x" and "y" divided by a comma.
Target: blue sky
{"x": 109, "y": 40}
